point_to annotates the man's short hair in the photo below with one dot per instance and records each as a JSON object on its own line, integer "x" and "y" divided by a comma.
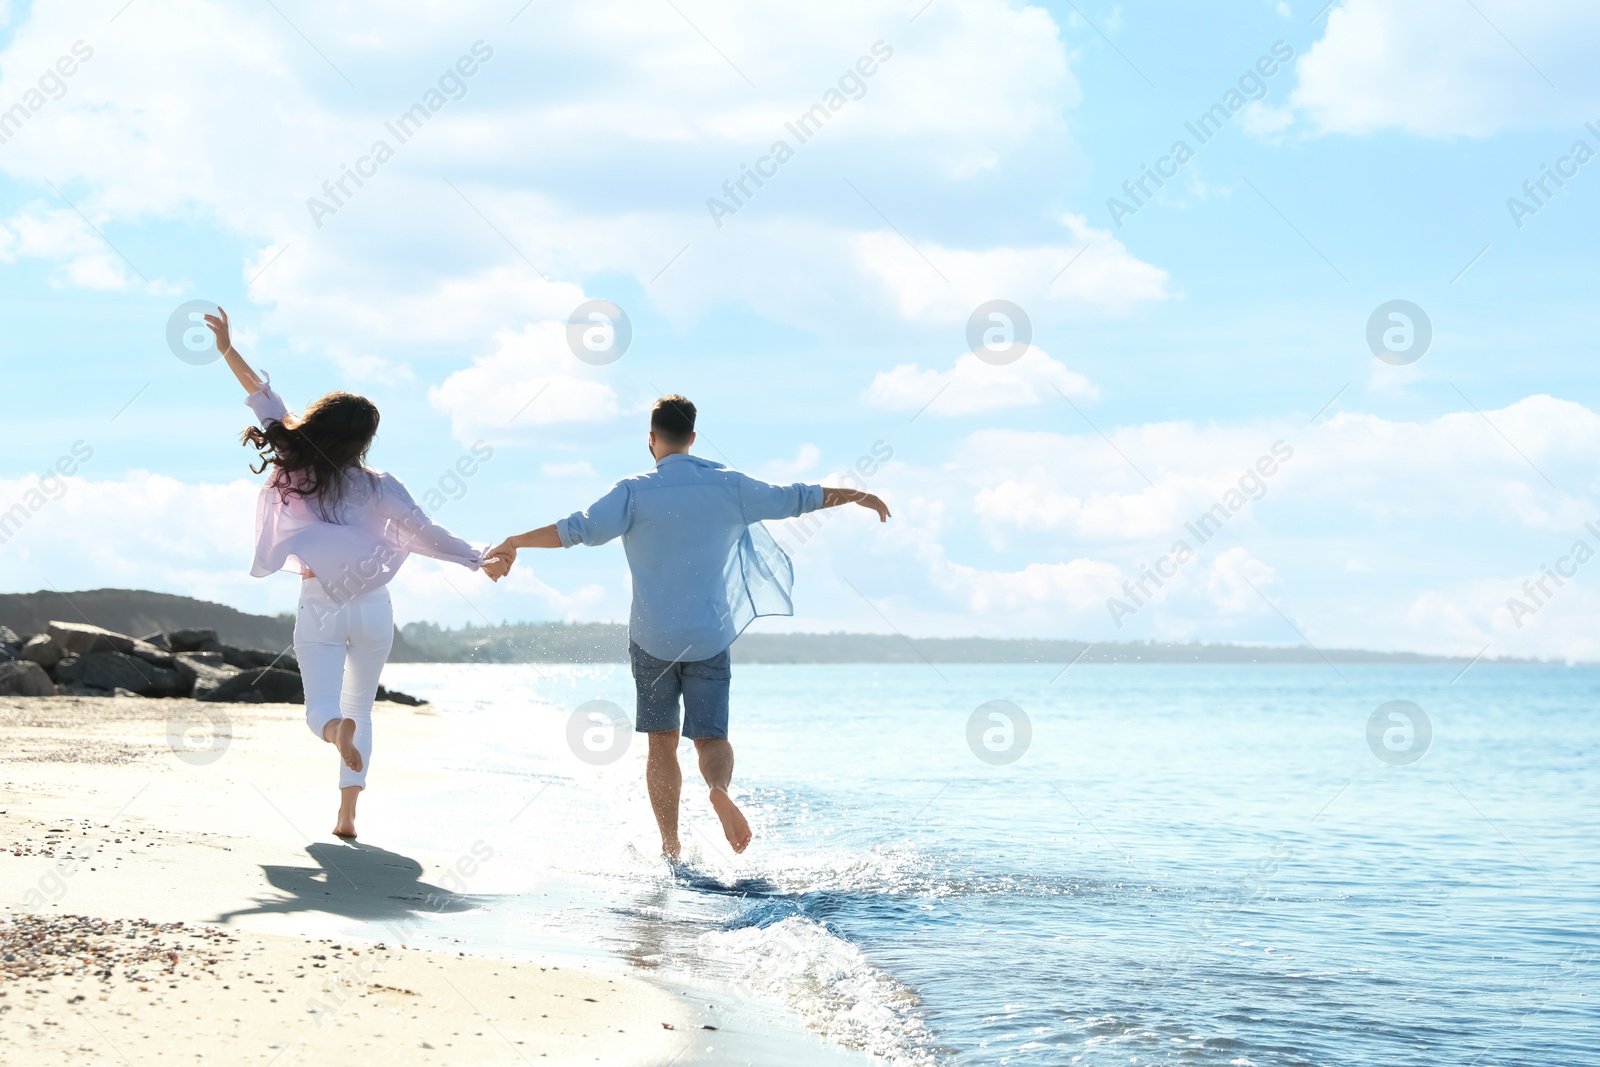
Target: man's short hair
{"x": 673, "y": 419}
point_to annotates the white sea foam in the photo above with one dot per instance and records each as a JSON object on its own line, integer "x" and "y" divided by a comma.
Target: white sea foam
{"x": 828, "y": 983}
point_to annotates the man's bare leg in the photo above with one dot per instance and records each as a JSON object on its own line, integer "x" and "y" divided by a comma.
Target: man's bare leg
{"x": 664, "y": 779}
{"x": 346, "y": 826}
{"x": 716, "y": 767}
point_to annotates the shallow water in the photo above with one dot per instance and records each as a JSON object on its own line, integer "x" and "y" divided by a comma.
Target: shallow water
{"x": 1195, "y": 865}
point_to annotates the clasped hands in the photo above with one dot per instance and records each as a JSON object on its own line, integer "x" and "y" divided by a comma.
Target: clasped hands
{"x": 498, "y": 560}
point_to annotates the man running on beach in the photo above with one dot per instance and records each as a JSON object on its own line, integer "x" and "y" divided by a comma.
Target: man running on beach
{"x": 686, "y": 528}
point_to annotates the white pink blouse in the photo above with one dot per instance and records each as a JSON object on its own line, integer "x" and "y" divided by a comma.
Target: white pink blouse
{"x": 357, "y": 545}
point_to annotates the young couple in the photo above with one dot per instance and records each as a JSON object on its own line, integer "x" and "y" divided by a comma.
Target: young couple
{"x": 702, "y": 568}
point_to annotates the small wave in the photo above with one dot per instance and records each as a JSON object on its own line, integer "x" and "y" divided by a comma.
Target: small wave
{"x": 901, "y": 871}
{"x": 826, "y": 980}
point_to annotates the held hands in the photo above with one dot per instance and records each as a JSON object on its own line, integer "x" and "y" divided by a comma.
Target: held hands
{"x": 498, "y": 560}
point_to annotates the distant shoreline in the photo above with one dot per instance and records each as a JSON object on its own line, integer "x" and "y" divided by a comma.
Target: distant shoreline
{"x": 607, "y": 643}
{"x": 136, "y": 612}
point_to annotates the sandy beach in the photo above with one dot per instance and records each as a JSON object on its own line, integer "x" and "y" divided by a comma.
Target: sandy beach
{"x": 160, "y": 908}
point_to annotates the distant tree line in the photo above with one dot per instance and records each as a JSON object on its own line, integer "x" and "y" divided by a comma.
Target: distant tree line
{"x": 554, "y": 642}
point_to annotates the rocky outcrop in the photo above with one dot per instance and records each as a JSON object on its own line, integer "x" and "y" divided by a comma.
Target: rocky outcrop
{"x": 118, "y": 670}
{"x": 78, "y": 639}
{"x": 24, "y": 678}
{"x": 190, "y": 640}
{"x": 42, "y": 650}
{"x": 202, "y": 672}
{"x": 83, "y": 660}
{"x": 205, "y": 641}
{"x": 247, "y": 658}
{"x": 262, "y": 685}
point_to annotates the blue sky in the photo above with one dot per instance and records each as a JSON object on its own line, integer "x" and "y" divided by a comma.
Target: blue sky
{"x": 1171, "y": 349}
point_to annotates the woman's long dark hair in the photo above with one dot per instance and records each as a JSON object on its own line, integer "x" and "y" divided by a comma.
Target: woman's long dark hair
{"x": 312, "y": 453}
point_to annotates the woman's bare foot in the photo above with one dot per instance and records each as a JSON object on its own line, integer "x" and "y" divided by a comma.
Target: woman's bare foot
{"x": 345, "y": 825}
{"x": 671, "y": 849}
{"x": 341, "y": 733}
{"x": 733, "y": 821}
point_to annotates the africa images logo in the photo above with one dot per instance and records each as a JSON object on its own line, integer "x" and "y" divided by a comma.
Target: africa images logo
{"x": 1251, "y": 86}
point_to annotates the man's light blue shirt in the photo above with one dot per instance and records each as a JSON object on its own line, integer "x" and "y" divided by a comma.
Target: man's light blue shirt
{"x": 682, "y": 526}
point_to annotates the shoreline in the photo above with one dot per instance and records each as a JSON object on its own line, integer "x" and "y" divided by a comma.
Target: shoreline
{"x": 108, "y": 810}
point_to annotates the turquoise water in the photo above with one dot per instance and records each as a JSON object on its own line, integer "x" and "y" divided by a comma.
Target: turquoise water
{"x": 1187, "y": 865}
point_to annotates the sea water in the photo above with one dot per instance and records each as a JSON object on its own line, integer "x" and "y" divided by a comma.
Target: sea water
{"x": 1130, "y": 865}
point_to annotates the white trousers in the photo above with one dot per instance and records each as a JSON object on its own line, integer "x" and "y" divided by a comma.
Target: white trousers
{"x": 342, "y": 649}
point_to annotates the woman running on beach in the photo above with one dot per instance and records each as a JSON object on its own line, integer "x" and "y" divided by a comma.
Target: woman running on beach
{"x": 346, "y": 529}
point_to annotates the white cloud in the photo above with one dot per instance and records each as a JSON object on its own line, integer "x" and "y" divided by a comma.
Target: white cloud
{"x": 62, "y": 236}
{"x": 1439, "y": 68}
{"x": 973, "y": 386}
{"x": 1098, "y": 515}
{"x": 1090, "y": 273}
{"x": 642, "y": 94}
{"x": 1440, "y": 521}
{"x": 531, "y": 379}
{"x": 1233, "y": 580}
{"x": 1082, "y": 486}
{"x": 1458, "y": 464}
{"x": 169, "y": 535}
{"x": 368, "y": 318}
{"x": 782, "y": 471}
{"x": 1266, "y": 122}
{"x": 1080, "y": 585}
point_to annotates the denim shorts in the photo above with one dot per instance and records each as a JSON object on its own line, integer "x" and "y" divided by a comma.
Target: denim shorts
{"x": 703, "y": 684}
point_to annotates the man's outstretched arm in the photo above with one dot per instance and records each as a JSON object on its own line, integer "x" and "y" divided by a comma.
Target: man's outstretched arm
{"x": 543, "y": 537}
{"x": 605, "y": 519}
{"x": 505, "y": 553}
{"x": 763, "y": 500}
{"x": 832, "y": 498}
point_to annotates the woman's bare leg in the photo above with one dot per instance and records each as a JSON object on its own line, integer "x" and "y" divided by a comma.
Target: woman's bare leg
{"x": 346, "y": 825}
{"x": 342, "y": 734}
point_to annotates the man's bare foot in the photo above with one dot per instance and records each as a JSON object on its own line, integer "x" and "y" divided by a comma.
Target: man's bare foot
{"x": 345, "y": 739}
{"x": 733, "y": 821}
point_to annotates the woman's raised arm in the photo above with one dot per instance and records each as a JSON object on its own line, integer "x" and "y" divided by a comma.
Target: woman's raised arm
{"x": 241, "y": 370}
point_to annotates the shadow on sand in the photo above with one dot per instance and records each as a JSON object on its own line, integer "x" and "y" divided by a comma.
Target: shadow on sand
{"x": 356, "y": 881}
